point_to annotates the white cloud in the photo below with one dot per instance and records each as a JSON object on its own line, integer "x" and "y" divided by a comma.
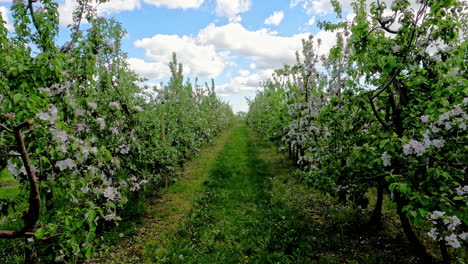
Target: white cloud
{"x": 311, "y": 21}
{"x": 324, "y": 7}
{"x": 149, "y": 70}
{"x": 4, "y": 12}
{"x": 173, "y": 4}
{"x": 275, "y": 18}
{"x": 245, "y": 82}
{"x": 232, "y": 8}
{"x": 67, "y": 7}
{"x": 263, "y": 46}
{"x": 320, "y": 7}
{"x": 198, "y": 59}
{"x": 116, "y": 6}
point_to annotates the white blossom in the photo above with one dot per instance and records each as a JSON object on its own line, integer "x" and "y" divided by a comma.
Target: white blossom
{"x": 138, "y": 108}
{"x": 85, "y": 189}
{"x": 59, "y": 135}
{"x": 433, "y": 234}
{"x": 452, "y": 241}
{"x": 65, "y": 164}
{"x": 44, "y": 116}
{"x": 110, "y": 193}
{"x": 80, "y": 111}
{"x": 114, "y": 130}
{"x": 463, "y": 236}
{"x": 109, "y": 217}
{"x": 425, "y": 118}
{"x": 437, "y": 214}
{"x": 114, "y": 104}
{"x": 93, "y": 105}
{"x": 13, "y": 169}
{"x": 101, "y": 122}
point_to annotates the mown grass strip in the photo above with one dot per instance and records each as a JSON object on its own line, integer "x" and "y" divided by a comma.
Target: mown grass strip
{"x": 165, "y": 212}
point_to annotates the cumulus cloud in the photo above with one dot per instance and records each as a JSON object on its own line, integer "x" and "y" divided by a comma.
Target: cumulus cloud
{"x": 173, "y": 4}
{"x": 198, "y": 59}
{"x": 320, "y": 7}
{"x": 311, "y": 21}
{"x": 264, "y": 46}
{"x": 67, "y": 7}
{"x": 324, "y": 7}
{"x": 245, "y": 82}
{"x": 149, "y": 70}
{"x": 232, "y": 8}
{"x": 4, "y": 12}
{"x": 275, "y": 18}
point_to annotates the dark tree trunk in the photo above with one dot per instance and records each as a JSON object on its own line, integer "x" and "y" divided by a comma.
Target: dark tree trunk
{"x": 376, "y": 217}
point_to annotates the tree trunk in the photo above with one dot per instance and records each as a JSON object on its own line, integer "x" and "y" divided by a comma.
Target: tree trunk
{"x": 406, "y": 225}
{"x": 376, "y": 218}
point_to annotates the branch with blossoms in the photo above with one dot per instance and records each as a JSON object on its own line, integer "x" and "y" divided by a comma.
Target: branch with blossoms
{"x": 32, "y": 215}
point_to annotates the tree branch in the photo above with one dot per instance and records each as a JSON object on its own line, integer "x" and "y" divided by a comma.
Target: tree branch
{"x": 386, "y": 127}
{"x": 384, "y": 25}
{"x": 32, "y": 215}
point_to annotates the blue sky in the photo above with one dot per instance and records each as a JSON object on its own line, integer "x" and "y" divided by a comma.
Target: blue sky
{"x": 237, "y": 42}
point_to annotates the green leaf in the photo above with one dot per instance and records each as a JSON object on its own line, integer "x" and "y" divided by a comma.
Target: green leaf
{"x": 17, "y": 97}
{"x": 40, "y": 233}
{"x": 89, "y": 252}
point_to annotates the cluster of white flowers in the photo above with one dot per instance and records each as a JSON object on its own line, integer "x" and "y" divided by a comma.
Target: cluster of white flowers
{"x": 115, "y": 105}
{"x": 135, "y": 185}
{"x": 80, "y": 111}
{"x": 65, "y": 164}
{"x": 59, "y": 136}
{"x": 414, "y": 147}
{"x": 57, "y": 88}
{"x": 93, "y": 105}
{"x": 82, "y": 127}
{"x": 101, "y": 122}
{"x": 386, "y": 159}
{"x": 461, "y": 191}
{"x": 110, "y": 193}
{"x": 449, "y": 224}
{"x": 50, "y": 115}
{"x": 110, "y": 217}
{"x": 138, "y": 108}
{"x": 455, "y": 117}
{"x": 114, "y": 130}
{"x": 122, "y": 149}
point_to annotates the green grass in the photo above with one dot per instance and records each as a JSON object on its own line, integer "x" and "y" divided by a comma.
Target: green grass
{"x": 164, "y": 210}
{"x": 238, "y": 202}
{"x": 254, "y": 211}
{"x": 8, "y": 185}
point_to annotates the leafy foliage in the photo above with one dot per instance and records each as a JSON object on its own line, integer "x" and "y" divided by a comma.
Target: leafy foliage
{"x": 386, "y": 109}
{"x": 79, "y": 134}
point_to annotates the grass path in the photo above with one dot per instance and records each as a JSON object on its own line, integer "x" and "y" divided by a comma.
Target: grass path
{"x": 238, "y": 203}
{"x": 238, "y": 220}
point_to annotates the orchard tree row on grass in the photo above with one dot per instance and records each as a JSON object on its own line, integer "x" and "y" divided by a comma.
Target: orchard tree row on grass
{"x": 79, "y": 135}
{"x": 385, "y": 108}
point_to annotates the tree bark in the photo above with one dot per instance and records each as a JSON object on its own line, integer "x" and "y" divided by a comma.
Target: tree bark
{"x": 376, "y": 217}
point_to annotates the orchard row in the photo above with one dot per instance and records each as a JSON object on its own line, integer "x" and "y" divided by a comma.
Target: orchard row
{"x": 79, "y": 134}
{"x": 383, "y": 109}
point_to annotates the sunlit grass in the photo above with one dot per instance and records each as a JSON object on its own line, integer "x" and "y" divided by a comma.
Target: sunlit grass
{"x": 8, "y": 185}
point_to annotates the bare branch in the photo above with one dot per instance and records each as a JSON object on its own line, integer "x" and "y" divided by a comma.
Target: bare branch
{"x": 3, "y": 127}
{"x": 386, "y": 127}
{"x": 383, "y": 25}
{"x": 384, "y": 87}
